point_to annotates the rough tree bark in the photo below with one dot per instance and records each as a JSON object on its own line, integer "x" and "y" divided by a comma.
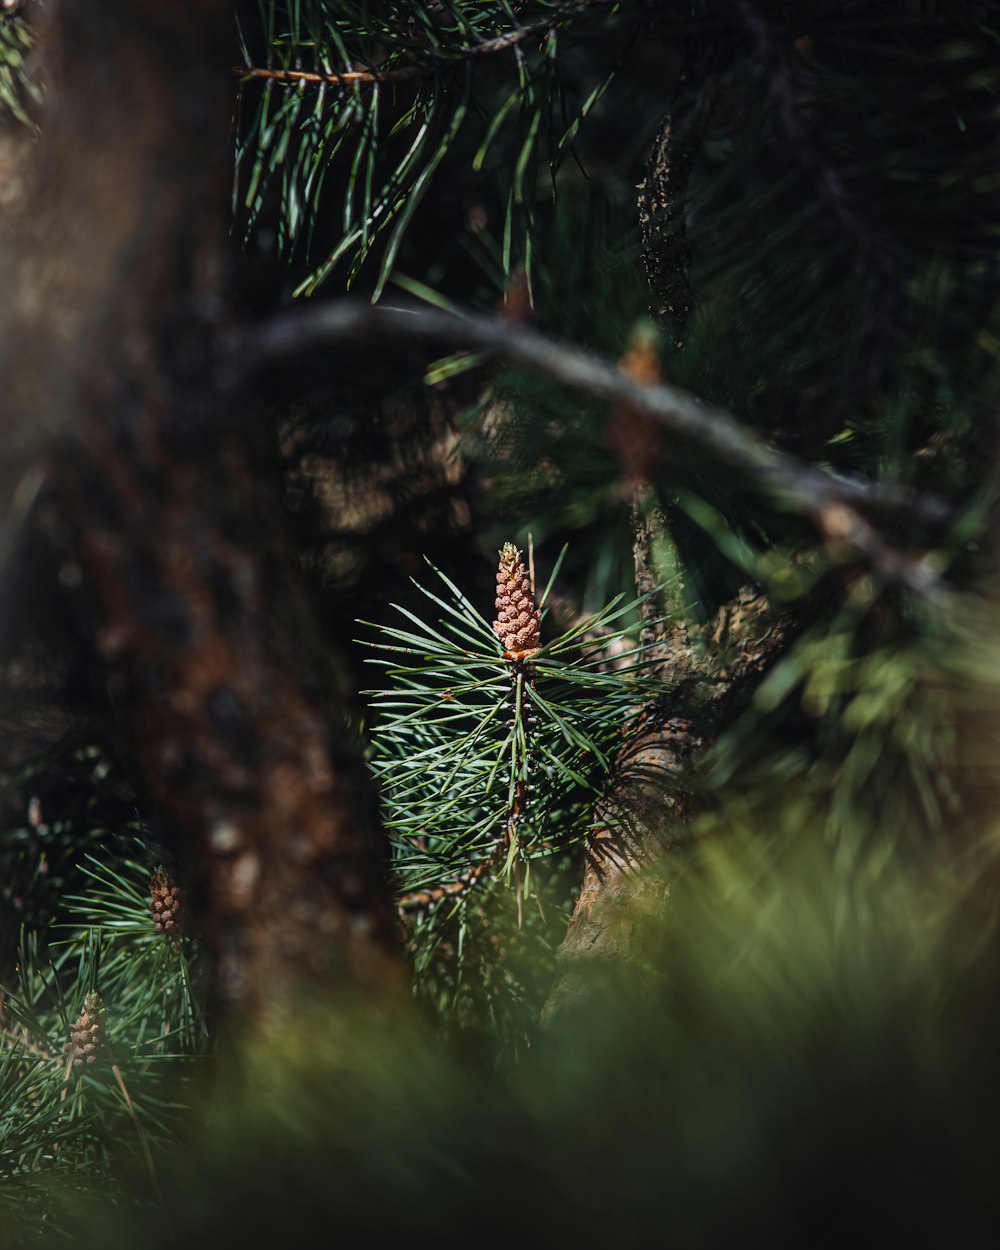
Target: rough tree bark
{"x": 650, "y": 802}
{"x": 645, "y": 814}
{"x": 168, "y": 535}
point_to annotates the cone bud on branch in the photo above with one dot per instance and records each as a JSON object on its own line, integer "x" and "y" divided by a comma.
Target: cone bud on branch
{"x": 517, "y": 624}
{"x": 166, "y": 906}
{"x": 87, "y": 1032}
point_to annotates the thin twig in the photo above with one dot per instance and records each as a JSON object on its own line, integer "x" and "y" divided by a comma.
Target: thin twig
{"x": 348, "y": 78}
{"x": 434, "y": 65}
{"x": 835, "y": 505}
{"x": 67, "y": 1073}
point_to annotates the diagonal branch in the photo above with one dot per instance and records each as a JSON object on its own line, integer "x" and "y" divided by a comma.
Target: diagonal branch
{"x": 837, "y": 507}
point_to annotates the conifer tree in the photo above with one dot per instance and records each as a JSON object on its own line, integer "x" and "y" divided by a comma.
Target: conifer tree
{"x": 544, "y": 560}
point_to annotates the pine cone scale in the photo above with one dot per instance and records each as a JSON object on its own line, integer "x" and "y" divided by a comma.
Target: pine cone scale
{"x": 518, "y": 620}
{"x": 166, "y": 907}
{"x": 87, "y": 1032}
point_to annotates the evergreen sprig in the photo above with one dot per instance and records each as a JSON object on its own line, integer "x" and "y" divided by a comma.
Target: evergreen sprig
{"x": 79, "y": 1125}
{"x": 384, "y": 91}
{"x": 492, "y": 766}
{"x": 460, "y": 727}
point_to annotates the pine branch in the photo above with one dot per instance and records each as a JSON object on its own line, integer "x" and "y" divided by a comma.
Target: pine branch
{"x": 487, "y": 47}
{"x": 327, "y": 92}
{"x": 470, "y": 797}
{"x": 836, "y": 506}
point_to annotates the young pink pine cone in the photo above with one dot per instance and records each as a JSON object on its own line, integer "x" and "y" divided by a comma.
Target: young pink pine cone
{"x": 517, "y": 623}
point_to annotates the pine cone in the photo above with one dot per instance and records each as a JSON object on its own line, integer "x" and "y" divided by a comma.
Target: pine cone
{"x": 87, "y": 1034}
{"x": 166, "y": 907}
{"x": 517, "y": 623}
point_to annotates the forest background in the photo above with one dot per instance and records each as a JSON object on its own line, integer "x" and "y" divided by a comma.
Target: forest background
{"x": 328, "y": 901}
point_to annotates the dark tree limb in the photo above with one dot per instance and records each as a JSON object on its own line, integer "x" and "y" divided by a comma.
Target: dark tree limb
{"x": 838, "y": 507}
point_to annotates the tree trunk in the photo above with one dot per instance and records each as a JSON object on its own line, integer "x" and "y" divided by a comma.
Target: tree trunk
{"x": 169, "y": 537}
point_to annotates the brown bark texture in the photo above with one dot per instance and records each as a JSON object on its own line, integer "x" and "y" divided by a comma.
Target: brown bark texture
{"x": 646, "y": 812}
{"x": 169, "y": 535}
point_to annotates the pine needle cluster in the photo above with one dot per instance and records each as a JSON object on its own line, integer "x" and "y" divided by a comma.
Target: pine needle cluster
{"x": 98, "y": 1019}
{"x": 492, "y": 758}
{"x": 366, "y": 104}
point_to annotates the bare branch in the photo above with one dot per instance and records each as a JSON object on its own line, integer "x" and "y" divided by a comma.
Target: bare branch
{"x": 835, "y": 505}
{"x": 347, "y": 79}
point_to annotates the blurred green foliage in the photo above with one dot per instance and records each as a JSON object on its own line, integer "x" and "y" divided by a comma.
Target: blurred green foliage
{"x": 795, "y": 1055}
{"x": 19, "y": 89}
{"x": 801, "y": 1047}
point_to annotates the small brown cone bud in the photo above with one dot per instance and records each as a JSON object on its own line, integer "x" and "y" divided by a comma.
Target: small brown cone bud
{"x": 87, "y": 1032}
{"x": 632, "y": 435}
{"x": 166, "y": 907}
{"x": 517, "y": 623}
